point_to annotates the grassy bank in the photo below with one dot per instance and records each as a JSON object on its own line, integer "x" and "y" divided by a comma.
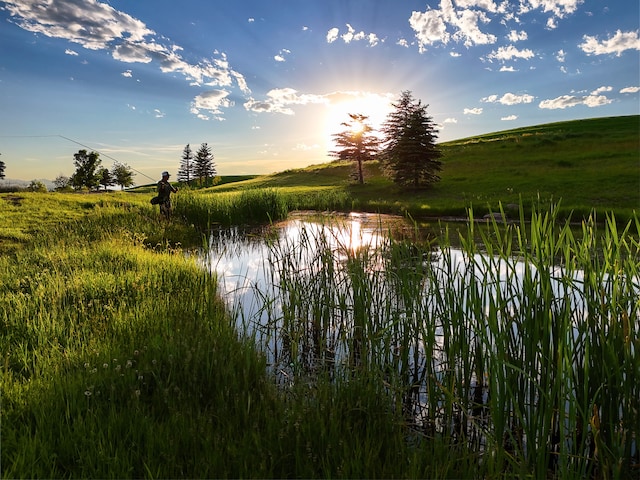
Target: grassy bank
{"x": 119, "y": 361}
{"x": 583, "y": 164}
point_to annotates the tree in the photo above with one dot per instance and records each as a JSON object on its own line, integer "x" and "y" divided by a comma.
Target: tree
{"x": 62, "y": 182}
{"x": 186, "y": 171}
{"x": 1, "y": 169}
{"x": 204, "y": 168}
{"x": 410, "y": 155}
{"x": 86, "y": 174}
{"x": 122, "y": 175}
{"x": 106, "y": 179}
{"x": 358, "y": 143}
{"x": 37, "y": 186}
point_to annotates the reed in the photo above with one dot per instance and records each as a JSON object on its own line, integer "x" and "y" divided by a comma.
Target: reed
{"x": 522, "y": 357}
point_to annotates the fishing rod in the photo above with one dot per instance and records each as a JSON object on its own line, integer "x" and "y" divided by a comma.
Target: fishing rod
{"x": 104, "y": 154}
{"x": 82, "y": 145}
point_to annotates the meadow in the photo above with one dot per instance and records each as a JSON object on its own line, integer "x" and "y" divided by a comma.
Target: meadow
{"x": 120, "y": 360}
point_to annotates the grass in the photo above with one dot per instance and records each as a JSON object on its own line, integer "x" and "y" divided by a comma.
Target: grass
{"x": 583, "y": 165}
{"x": 120, "y": 360}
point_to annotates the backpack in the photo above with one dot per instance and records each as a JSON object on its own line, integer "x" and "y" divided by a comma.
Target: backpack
{"x": 155, "y": 200}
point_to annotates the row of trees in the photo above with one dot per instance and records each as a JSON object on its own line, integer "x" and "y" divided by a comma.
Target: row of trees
{"x": 407, "y": 148}
{"x": 200, "y": 166}
{"x": 91, "y": 174}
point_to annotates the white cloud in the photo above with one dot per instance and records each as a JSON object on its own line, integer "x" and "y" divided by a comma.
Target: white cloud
{"x": 508, "y": 99}
{"x": 510, "y": 68}
{"x": 127, "y": 74}
{"x": 211, "y": 103}
{"x": 352, "y": 36}
{"x": 568, "y": 101}
{"x": 616, "y": 44}
{"x": 515, "y": 36}
{"x": 280, "y": 57}
{"x": 559, "y": 8}
{"x": 455, "y": 54}
{"x": 98, "y": 26}
{"x": 450, "y": 120}
{"x": 158, "y": 113}
{"x": 509, "y": 53}
{"x": 280, "y": 100}
{"x": 403, "y": 43}
{"x": 602, "y": 89}
{"x": 332, "y": 35}
{"x": 431, "y": 26}
{"x": 509, "y": 118}
{"x": 73, "y": 53}
{"x": 561, "y": 55}
{"x": 472, "y": 111}
{"x": 630, "y": 90}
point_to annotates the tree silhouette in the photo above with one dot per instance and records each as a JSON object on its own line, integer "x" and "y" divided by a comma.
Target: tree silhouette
{"x": 122, "y": 175}
{"x": 86, "y": 174}
{"x": 358, "y": 143}
{"x": 410, "y": 155}
{"x": 186, "y": 171}
{"x": 204, "y": 168}
{"x": 1, "y": 168}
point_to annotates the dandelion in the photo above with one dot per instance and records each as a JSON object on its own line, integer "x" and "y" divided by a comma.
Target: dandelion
{"x": 129, "y": 364}
{"x": 105, "y": 365}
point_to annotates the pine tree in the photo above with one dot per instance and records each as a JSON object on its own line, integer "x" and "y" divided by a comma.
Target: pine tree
{"x": 186, "y": 171}
{"x": 204, "y": 168}
{"x": 410, "y": 155}
{"x": 357, "y": 142}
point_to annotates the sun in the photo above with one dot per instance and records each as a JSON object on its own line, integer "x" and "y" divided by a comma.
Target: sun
{"x": 375, "y": 106}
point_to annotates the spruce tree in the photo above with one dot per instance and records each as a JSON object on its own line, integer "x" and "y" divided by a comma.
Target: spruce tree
{"x": 186, "y": 172}
{"x": 410, "y": 155}
{"x": 357, "y": 142}
{"x": 204, "y": 168}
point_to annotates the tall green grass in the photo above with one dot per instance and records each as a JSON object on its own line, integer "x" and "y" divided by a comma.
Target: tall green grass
{"x": 522, "y": 358}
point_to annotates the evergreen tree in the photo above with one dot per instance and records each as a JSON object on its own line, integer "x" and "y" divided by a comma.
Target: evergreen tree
{"x": 1, "y": 169}
{"x": 186, "y": 171}
{"x": 357, "y": 142}
{"x": 410, "y": 155}
{"x": 122, "y": 175}
{"x": 86, "y": 174}
{"x": 204, "y": 168}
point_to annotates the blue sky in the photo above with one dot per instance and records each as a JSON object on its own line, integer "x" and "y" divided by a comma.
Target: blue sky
{"x": 267, "y": 82}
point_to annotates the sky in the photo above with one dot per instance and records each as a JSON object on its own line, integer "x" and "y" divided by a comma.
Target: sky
{"x": 266, "y": 83}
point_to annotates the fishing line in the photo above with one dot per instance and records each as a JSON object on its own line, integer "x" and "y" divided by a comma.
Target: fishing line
{"x": 77, "y": 143}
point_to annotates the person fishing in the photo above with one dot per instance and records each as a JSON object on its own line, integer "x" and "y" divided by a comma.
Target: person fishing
{"x": 164, "y": 195}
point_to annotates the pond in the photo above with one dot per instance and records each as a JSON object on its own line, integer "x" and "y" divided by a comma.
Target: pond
{"x": 473, "y": 343}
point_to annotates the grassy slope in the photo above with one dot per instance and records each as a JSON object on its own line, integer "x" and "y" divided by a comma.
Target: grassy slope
{"x": 586, "y": 164}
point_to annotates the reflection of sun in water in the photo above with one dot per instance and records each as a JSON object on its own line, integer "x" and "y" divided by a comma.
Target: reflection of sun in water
{"x": 372, "y": 105}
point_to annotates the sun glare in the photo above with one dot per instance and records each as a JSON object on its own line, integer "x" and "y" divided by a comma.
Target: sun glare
{"x": 374, "y": 106}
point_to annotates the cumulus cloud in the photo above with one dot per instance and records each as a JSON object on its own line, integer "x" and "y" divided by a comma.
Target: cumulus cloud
{"x": 630, "y": 90}
{"x": 352, "y": 36}
{"x": 510, "y": 53}
{"x": 559, "y": 8}
{"x": 73, "y": 53}
{"x": 509, "y": 118}
{"x": 280, "y": 57}
{"x": 568, "y": 101}
{"x": 472, "y": 111}
{"x": 281, "y": 100}
{"x": 515, "y": 36}
{"x": 127, "y": 74}
{"x": 561, "y": 55}
{"x": 614, "y": 45}
{"x": 450, "y": 120}
{"x": 432, "y": 26}
{"x": 208, "y": 104}
{"x": 602, "y": 89}
{"x": 508, "y": 99}
{"x": 96, "y": 25}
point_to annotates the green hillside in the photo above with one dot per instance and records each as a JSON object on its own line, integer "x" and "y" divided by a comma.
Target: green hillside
{"x": 584, "y": 164}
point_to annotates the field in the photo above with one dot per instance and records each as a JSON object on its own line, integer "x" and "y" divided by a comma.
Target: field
{"x": 119, "y": 359}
